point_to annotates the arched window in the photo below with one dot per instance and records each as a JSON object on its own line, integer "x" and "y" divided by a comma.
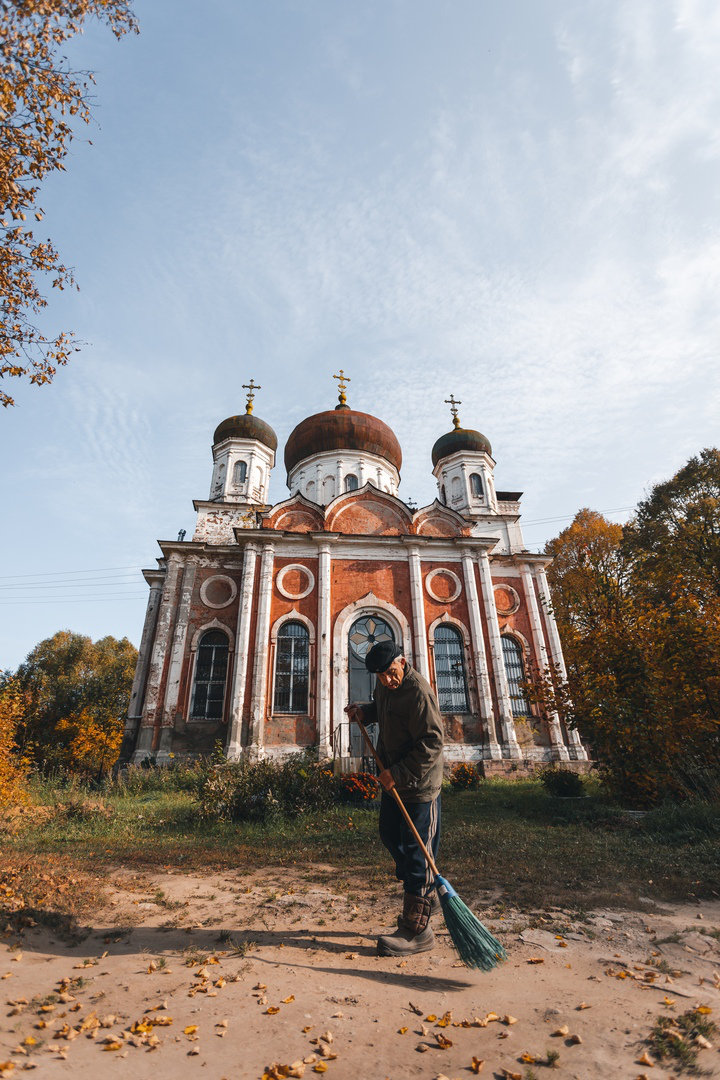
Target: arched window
{"x": 351, "y": 482}
{"x": 476, "y": 487}
{"x": 442, "y": 493}
{"x": 515, "y": 671}
{"x": 310, "y": 490}
{"x": 292, "y": 668}
{"x": 210, "y": 676}
{"x": 240, "y": 472}
{"x": 450, "y": 670}
{"x": 328, "y": 488}
{"x": 365, "y": 632}
{"x": 455, "y": 490}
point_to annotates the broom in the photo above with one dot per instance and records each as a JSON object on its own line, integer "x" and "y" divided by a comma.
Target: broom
{"x": 474, "y": 944}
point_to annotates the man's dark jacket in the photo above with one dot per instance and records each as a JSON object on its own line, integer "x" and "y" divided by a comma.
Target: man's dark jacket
{"x": 410, "y": 742}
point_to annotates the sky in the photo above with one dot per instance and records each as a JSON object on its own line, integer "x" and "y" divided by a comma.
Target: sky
{"x": 513, "y": 202}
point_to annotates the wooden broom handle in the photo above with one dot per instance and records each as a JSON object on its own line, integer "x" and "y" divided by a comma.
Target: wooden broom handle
{"x": 396, "y": 797}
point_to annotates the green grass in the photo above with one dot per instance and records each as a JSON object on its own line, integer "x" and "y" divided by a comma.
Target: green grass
{"x": 507, "y": 835}
{"x": 673, "y": 1039}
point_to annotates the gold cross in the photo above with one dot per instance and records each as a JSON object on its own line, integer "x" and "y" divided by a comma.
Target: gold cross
{"x": 251, "y": 387}
{"x": 453, "y": 409}
{"x": 343, "y": 380}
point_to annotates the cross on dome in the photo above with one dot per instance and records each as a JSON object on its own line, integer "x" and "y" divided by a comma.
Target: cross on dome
{"x": 454, "y": 409}
{"x": 251, "y": 387}
{"x": 343, "y": 380}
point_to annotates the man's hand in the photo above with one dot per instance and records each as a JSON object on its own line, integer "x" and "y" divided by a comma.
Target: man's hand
{"x": 354, "y": 711}
{"x": 386, "y": 779}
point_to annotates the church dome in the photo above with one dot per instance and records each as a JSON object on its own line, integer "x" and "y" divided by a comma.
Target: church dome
{"x": 246, "y": 426}
{"x": 457, "y": 440}
{"x": 341, "y": 429}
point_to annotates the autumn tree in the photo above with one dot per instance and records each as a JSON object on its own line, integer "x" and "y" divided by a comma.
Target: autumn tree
{"x": 638, "y": 608}
{"x": 13, "y": 770}
{"x": 78, "y": 691}
{"x": 42, "y": 99}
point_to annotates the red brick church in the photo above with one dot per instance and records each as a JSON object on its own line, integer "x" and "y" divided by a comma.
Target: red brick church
{"x": 257, "y": 628}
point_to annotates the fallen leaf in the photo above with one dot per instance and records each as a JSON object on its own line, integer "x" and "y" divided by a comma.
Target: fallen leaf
{"x": 535, "y": 960}
{"x": 704, "y": 1010}
{"x": 584, "y": 1005}
{"x": 422, "y": 1047}
{"x": 285, "y": 1001}
{"x": 669, "y": 1001}
{"x": 561, "y": 1031}
{"x": 527, "y": 1059}
{"x": 443, "y": 1042}
{"x": 321, "y": 1067}
{"x": 272, "y": 1009}
{"x": 259, "y": 986}
{"x": 431, "y": 1018}
{"x": 509, "y": 1020}
{"x": 190, "y": 1029}
{"x": 401, "y": 1031}
{"x": 415, "y": 1009}
{"x": 327, "y": 1037}
{"x": 112, "y": 1045}
{"x": 476, "y": 1065}
{"x": 646, "y": 1060}
{"x": 507, "y": 1075}
{"x": 491, "y": 1016}
{"x": 575, "y": 1039}
{"x": 702, "y": 1042}
{"x": 193, "y": 1051}
{"x": 351, "y": 956}
{"x": 221, "y": 1023}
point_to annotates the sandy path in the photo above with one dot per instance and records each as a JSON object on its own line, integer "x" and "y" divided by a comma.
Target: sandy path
{"x": 252, "y": 972}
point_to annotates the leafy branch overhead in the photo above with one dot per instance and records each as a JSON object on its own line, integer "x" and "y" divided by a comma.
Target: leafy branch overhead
{"x": 41, "y": 101}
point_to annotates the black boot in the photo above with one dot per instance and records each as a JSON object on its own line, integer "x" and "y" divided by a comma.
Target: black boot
{"x": 413, "y": 934}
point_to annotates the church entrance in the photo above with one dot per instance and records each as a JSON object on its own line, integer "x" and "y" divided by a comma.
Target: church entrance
{"x": 365, "y": 632}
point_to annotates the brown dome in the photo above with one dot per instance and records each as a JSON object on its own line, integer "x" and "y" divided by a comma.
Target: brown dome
{"x": 460, "y": 439}
{"x": 246, "y": 426}
{"x": 341, "y": 429}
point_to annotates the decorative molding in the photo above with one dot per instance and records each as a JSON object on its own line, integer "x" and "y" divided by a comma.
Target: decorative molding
{"x": 280, "y": 577}
{"x": 211, "y": 581}
{"x": 448, "y": 573}
{"x": 514, "y": 596}
{"x": 214, "y": 625}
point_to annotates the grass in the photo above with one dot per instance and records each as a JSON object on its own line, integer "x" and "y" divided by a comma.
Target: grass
{"x": 508, "y": 836}
{"x": 672, "y": 1038}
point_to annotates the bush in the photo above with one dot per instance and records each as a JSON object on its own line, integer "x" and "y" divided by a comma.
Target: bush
{"x": 247, "y": 791}
{"x": 360, "y": 787}
{"x": 562, "y": 783}
{"x": 464, "y": 777}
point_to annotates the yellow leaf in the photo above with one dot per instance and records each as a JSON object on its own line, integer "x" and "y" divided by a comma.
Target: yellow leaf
{"x": 272, "y": 1009}
{"x": 285, "y": 1001}
{"x": 190, "y": 1029}
{"x": 321, "y": 1067}
{"x": 527, "y": 1058}
{"x": 431, "y": 1018}
{"x": 477, "y": 1064}
{"x": 442, "y": 1041}
{"x": 536, "y": 960}
{"x": 112, "y": 1046}
{"x": 401, "y": 1031}
{"x": 646, "y": 1060}
{"x": 704, "y": 1010}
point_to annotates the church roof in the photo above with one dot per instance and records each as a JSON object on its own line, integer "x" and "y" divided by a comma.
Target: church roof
{"x": 341, "y": 429}
{"x": 246, "y": 426}
{"x": 457, "y": 440}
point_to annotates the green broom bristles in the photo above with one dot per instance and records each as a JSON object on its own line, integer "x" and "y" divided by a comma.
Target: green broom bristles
{"x": 475, "y": 945}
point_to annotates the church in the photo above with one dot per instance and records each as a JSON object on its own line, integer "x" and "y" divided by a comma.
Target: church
{"x": 257, "y": 628}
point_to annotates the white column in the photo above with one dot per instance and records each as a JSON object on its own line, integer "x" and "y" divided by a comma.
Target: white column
{"x": 559, "y": 748}
{"x": 338, "y": 475}
{"x": 579, "y": 751}
{"x": 324, "y": 652}
{"x": 479, "y": 658}
{"x": 177, "y": 656}
{"x": 165, "y": 622}
{"x": 134, "y": 713}
{"x": 242, "y": 641}
{"x": 507, "y": 724}
{"x": 361, "y": 472}
{"x": 418, "y": 609}
{"x": 262, "y": 645}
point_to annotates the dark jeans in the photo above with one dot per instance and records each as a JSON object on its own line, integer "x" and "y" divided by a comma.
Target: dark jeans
{"x": 410, "y": 865}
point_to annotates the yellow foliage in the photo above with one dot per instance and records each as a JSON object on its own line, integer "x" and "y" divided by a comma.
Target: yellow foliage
{"x": 13, "y": 770}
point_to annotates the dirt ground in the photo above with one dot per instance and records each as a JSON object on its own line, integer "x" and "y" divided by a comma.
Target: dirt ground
{"x": 226, "y": 976}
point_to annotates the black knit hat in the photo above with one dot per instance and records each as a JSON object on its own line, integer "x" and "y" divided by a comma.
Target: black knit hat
{"x": 381, "y": 656}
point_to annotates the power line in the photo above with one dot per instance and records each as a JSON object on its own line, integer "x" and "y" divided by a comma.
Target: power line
{"x": 92, "y": 583}
{"x": 73, "y": 600}
{"x": 65, "y": 573}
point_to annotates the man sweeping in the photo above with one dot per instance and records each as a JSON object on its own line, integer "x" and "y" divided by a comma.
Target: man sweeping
{"x": 410, "y": 745}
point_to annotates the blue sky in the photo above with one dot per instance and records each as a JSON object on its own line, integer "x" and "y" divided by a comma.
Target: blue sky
{"x": 513, "y": 202}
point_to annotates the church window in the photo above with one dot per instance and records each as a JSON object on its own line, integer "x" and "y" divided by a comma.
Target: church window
{"x": 450, "y": 670}
{"x": 310, "y": 490}
{"x": 328, "y": 488}
{"x": 515, "y": 671}
{"x": 476, "y": 487}
{"x": 210, "y": 676}
{"x": 240, "y": 472}
{"x": 292, "y": 668}
{"x": 443, "y": 494}
{"x": 455, "y": 490}
{"x": 351, "y": 482}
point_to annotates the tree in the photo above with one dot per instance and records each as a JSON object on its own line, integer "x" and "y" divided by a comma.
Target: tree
{"x": 78, "y": 692}
{"x": 41, "y": 98}
{"x": 638, "y": 608}
{"x": 13, "y": 703}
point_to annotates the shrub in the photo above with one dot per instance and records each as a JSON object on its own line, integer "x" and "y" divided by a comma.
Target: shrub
{"x": 360, "y": 787}
{"x": 562, "y": 783}
{"x": 464, "y": 777}
{"x": 256, "y": 791}
{"x": 13, "y": 770}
